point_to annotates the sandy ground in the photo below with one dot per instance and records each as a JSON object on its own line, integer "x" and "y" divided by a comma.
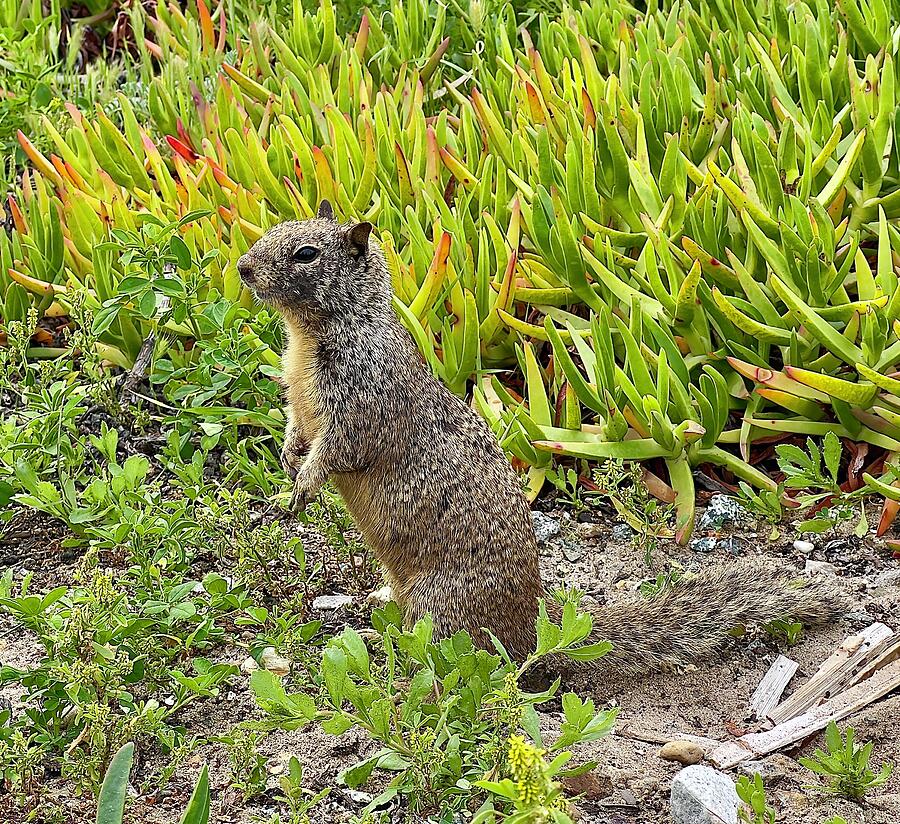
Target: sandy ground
{"x": 631, "y": 783}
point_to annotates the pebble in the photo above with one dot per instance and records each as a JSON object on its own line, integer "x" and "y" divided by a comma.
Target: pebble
{"x": 622, "y": 532}
{"x": 274, "y": 663}
{"x": 703, "y": 544}
{"x": 734, "y": 545}
{"x": 589, "y": 530}
{"x": 721, "y": 510}
{"x": 590, "y": 785}
{"x": 862, "y": 619}
{"x": 684, "y": 752}
{"x": 820, "y": 568}
{"x": 358, "y": 796}
{"x": 249, "y": 666}
{"x": 545, "y": 527}
{"x": 806, "y": 547}
{"x": 572, "y": 552}
{"x": 324, "y": 603}
{"x": 702, "y": 795}
{"x": 772, "y": 770}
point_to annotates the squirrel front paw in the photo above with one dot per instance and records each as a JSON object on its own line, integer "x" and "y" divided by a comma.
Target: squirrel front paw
{"x": 292, "y": 456}
{"x": 305, "y": 491}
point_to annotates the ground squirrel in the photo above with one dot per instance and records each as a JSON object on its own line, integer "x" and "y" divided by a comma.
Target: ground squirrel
{"x": 426, "y": 481}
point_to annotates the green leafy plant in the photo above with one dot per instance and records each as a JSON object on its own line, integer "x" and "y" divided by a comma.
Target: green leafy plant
{"x": 111, "y": 801}
{"x": 247, "y": 764}
{"x": 755, "y": 808}
{"x": 456, "y": 706}
{"x": 102, "y": 638}
{"x": 765, "y": 503}
{"x": 298, "y": 800}
{"x": 845, "y": 765}
{"x": 625, "y": 488}
{"x": 567, "y": 488}
{"x": 788, "y": 631}
{"x": 816, "y": 472}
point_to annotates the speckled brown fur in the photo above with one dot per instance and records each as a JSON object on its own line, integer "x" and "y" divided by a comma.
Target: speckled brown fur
{"x": 426, "y": 481}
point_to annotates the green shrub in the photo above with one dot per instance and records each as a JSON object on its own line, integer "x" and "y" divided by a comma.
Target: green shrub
{"x": 845, "y": 765}
{"x": 676, "y": 228}
{"x": 449, "y": 718}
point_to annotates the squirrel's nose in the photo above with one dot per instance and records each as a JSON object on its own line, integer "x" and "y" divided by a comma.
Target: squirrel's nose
{"x": 245, "y": 269}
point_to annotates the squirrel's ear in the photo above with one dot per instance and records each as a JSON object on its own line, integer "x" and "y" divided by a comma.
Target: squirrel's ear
{"x": 358, "y": 237}
{"x": 325, "y": 210}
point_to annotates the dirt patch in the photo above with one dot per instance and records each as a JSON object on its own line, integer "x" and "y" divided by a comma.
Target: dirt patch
{"x": 713, "y": 700}
{"x": 631, "y": 783}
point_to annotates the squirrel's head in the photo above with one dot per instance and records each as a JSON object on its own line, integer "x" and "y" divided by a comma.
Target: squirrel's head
{"x": 317, "y": 267}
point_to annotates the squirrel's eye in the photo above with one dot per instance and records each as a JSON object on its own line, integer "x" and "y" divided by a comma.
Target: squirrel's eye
{"x": 306, "y": 254}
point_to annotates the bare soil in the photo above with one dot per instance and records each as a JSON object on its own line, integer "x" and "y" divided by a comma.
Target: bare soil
{"x": 631, "y": 783}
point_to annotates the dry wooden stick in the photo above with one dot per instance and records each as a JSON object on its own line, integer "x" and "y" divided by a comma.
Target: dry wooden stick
{"x": 653, "y": 737}
{"x": 857, "y": 651}
{"x": 768, "y": 693}
{"x": 886, "y": 652}
{"x": 813, "y": 720}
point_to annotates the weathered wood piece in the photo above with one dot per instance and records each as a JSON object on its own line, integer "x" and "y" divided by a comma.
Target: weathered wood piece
{"x": 857, "y": 651}
{"x": 654, "y": 737}
{"x": 796, "y": 729}
{"x": 770, "y": 689}
{"x": 887, "y": 652}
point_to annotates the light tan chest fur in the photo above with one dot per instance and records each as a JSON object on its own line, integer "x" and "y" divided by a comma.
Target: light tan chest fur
{"x": 299, "y": 367}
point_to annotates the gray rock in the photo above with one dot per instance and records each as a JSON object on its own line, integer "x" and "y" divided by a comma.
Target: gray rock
{"x": 772, "y": 770}
{"x": 721, "y": 510}
{"x": 734, "y": 545}
{"x": 806, "y": 547}
{"x": 326, "y": 603}
{"x": 891, "y": 578}
{"x": 545, "y": 527}
{"x": 820, "y": 568}
{"x": 622, "y": 532}
{"x": 860, "y": 619}
{"x": 703, "y": 544}
{"x": 572, "y": 552}
{"x": 702, "y": 795}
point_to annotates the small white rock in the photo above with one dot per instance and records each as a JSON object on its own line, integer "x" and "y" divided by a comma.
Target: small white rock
{"x": 820, "y": 568}
{"x": 358, "y": 796}
{"x": 804, "y": 546}
{"x": 249, "y": 666}
{"x": 324, "y": 603}
{"x": 274, "y": 662}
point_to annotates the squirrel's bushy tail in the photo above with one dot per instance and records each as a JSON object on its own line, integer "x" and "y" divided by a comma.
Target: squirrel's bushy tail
{"x": 688, "y": 622}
